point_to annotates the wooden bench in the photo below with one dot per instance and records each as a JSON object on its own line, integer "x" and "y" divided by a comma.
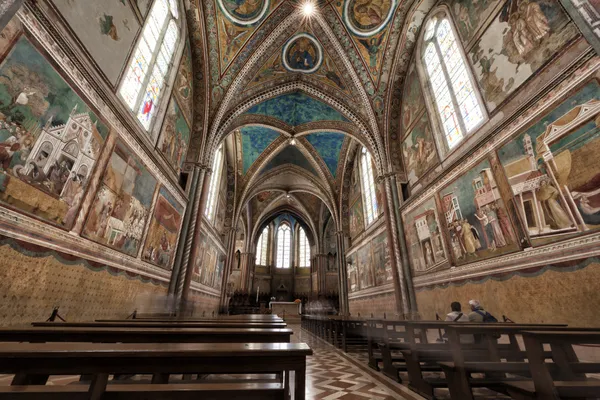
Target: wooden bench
{"x": 564, "y": 378}
{"x": 147, "y": 324}
{"x": 33, "y": 363}
{"x": 144, "y": 335}
{"x": 382, "y": 332}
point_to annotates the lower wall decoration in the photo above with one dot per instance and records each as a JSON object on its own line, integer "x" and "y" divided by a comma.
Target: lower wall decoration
{"x": 122, "y": 205}
{"x": 161, "y": 241}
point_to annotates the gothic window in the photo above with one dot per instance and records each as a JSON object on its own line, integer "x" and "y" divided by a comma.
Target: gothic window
{"x": 213, "y": 188}
{"x": 303, "y": 249}
{"x": 368, "y": 186}
{"x": 262, "y": 247}
{"x": 147, "y": 72}
{"x": 284, "y": 244}
{"x": 457, "y": 104}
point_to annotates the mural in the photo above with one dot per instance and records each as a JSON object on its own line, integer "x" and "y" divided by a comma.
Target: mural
{"x": 370, "y": 265}
{"x": 302, "y": 53}
{"x": 357, "y": 221}
{"x": 330, "y": 245}
{"x": 174, "y": 136}
{"x": 418, "y": 150}
{"x": 354, "y": 190}
{"x": 208, "y": 268}
{"x": 107, "y": 29}
{"x": 290, "y": 155}
{"x": 183, "y": 88}
{"x": 352, "y": 273}
{"x": 381, "y": 259}
{"x": 328, "y": 145}
{"x": 364, "y": 266}
{"x": 477, "y": 221}
{"x": 424, "y": 238}
{"x": 413, "y": 101}
{"x": 255, "y": 139}
{"x": 553, "y": 167}
{"x": 297, "y": 108}
{"x": 50, "y": 140}
{"x": 119, "y": 213}
{"x": 533, "y": 31}
{"x": 161, "y": 241}
{"x": 469, "y": 14}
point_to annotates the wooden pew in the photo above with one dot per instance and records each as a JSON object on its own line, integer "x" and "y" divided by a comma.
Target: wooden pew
{"x": 146, "y": 324}
{"x": 231, "y": 318}
{"x": 144, "y": 335}
{"x": 565, "y": 377}
{"x": 394, "y": 336}
{"x": 32, "y": 363}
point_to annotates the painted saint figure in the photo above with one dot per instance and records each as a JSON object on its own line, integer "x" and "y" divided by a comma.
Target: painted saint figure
{"x": 548, "y": 195}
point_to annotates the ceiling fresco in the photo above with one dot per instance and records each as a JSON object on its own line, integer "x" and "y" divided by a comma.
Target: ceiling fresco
{"x": 290, "y": 155}
{"x": 328, "y": 145}
{"x": 296, "y": 109}
{"x": 255, "y": 139}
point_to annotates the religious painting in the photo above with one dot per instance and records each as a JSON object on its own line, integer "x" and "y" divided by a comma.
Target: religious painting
{"x": 413, "y": 101}
{"x": 302, "y": 53}
{"x": 198, "y": 261}
{"x": 477, "y": 221}
{"x": 532, "y": 32}
{"x": 354, "y": 190}
{"x": 161, "y": 241}
{"x": 174, "y": 136}
{"x": 418, "y": 150}
{"x": 183, "y": 88}
{"x": 469, "y": 14}
{"x": 50, "y": 139}
{"x": 272, "y": 69}
{"x": 9, "y": 34}
{"x": 381, "y": 261}
{"x": 553, "y": 167}
{"x": 107, "y": 30}
{"x": 330, "y": 74}
{"x": 352, "y": 273}
{"x": 209, "y": 263}
{"x": 119, "y": 213}
{"x": 364, "y": 266}
{"x": 424, "y": 239}
{"x": 357, "y": 222}
{"x": 220, "y": 214}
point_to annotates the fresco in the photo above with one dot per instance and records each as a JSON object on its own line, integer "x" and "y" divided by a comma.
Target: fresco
{"x": 418, "y": 150}
{"x": 302, "y": 53}
{"x": 413, "y": 101}
{"x": 119, "y": 213}
{"x": 174, "y": 136}
{"x": 107, "y": 29}
{"x": 364, "y": 266}
{"x": 357, "y": 221}
{"x": 297, "y": 108}
{"x": 382, "y": 264}
{"x": 533, "y": 32}
{"x": 354, "y": 190}
{"x": 208, "y": 267}
{"x": 352, "y": 273}
{"x": 236, "y": 22}
{"x": 330, "y": 245}
{"x": 328, "y": 145}
{"x": 290, "y": 155}
{"x": 368, "y": 24}
{"x": 554, "y": 170}
{"x": 477, "y": 220}
{"x": 424, "y": 238}
{"x": 161, "y": 241}
{"x": 468, "y": 16}
{"x": 183, "y": 88}
{"x": 255, "y": 139}
{"x": 50, "y": 140}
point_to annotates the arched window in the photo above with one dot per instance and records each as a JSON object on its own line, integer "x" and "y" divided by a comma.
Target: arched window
{"x": 262, "y": 247}
{"x": 457, "y": 104}
{"x": 284, "y": 243}
{"x": 368, "y": 186}
{"x": 213, "y": 188}
{"x": 303, "y": 249}
{"x": 151, "y": 61}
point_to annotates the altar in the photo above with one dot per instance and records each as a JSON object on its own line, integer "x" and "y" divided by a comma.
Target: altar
{"x": 288, "y": 310}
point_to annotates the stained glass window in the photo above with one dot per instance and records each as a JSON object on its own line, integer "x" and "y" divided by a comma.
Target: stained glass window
{"x": 368, "y": 186}
{"x": 151, "y": 61}
{"x": 262, "y": 247}
{"x": 458, "y": 107}
{"x": 213, "y": 188}
{"x": 284, "y": 242}
{"x": 303, "y": 249}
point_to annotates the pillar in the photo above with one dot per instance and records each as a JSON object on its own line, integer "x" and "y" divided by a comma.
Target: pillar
{"x": 342, "y": 274}
{"x": 320, "y": 268}
{"x": 246, "y": 266}
{"x": 224, "y": 299}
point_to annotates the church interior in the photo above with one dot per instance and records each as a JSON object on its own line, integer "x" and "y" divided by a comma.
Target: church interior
{"x": 320, "y": 199}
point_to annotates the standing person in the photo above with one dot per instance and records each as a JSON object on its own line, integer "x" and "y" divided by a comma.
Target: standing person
{"x": 478, "y": 314}
{"x": 457, "y": 316}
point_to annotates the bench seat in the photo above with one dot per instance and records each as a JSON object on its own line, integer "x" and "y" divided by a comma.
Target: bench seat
{"x": 565, "y": 389}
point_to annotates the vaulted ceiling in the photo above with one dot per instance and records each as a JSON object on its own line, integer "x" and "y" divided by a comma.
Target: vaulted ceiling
{"x": 296, "y": 91}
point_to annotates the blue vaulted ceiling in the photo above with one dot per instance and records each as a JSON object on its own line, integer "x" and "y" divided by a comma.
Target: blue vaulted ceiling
{"x": 328, "y": 145}
{"x": 297, "y": 108}
{"x": 290, "y": 155}
{"x": 255, "y": 139}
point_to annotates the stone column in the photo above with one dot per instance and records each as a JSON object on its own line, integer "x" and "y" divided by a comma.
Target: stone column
{"x": 224, "y": 300}
{"x": 400, "y": 291}
{"x": 191, "y": 247}
{"x": 246, "y": 266}
{"x": 320, "y": 268}
{"x": 342, "y": 274}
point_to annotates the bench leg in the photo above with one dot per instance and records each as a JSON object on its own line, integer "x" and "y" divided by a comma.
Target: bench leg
{"x": 160, "y": 378}
{"x": 458, "y": 384}
{"x": 415, "y": 377}
{"x": 29, "y": 379}
{"x": 300, "y": 383}
{"x": 98, "y": 386}
{"x": 388, "y": 368}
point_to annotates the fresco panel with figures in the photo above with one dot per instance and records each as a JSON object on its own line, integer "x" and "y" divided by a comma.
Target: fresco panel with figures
{"x": 175, "y": 136}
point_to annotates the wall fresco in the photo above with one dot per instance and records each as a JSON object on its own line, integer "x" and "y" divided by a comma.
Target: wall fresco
{"x": 174, "y": 136}
{"x": 50, "y": 140}
{"x": 120, "y": 211}
{"x": 418, "y": 150}
{"x": 413, "y": 101}
{"x": 183, "y": 88}
{"x": 533, "y": 32}
{"x": 357, "y": 222}
{"x": 328, "y": 145}
{"x": 163, "y": 231}
{"x": 255, "y": 139}
{"x": 370, "y": 265}
{"x": 469, "y": 15}
{"x": 208, "y": 266}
